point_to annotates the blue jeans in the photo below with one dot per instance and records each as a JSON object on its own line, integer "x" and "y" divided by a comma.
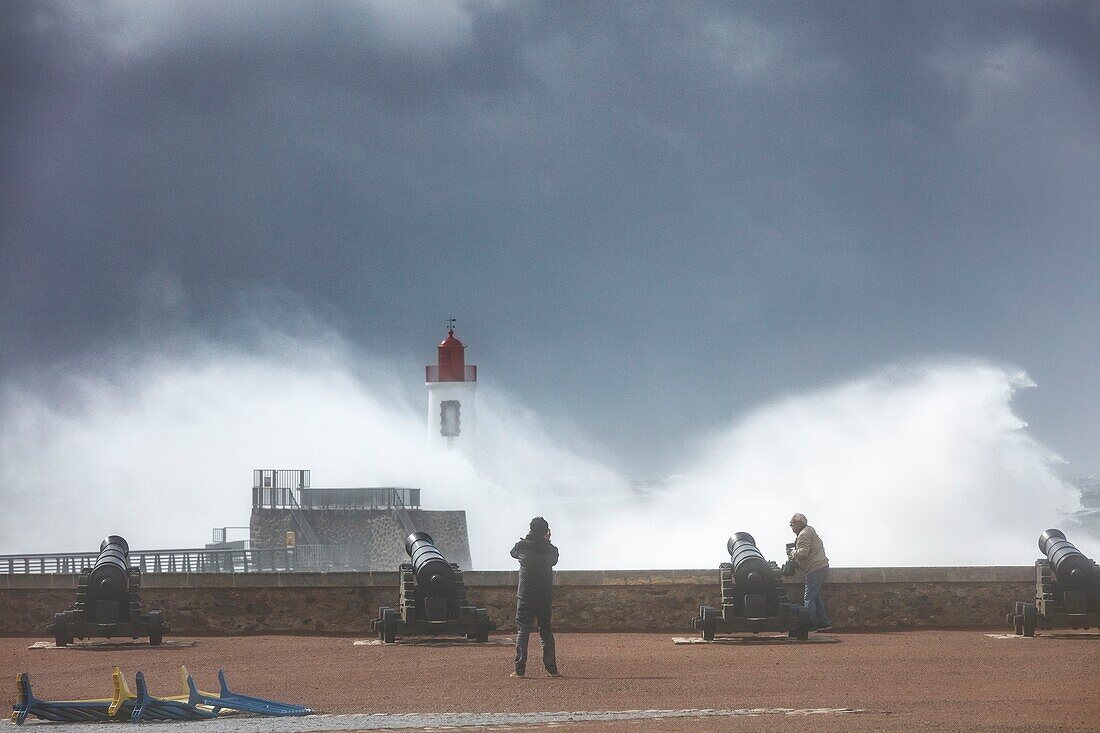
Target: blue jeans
{"x": 526, "y": 615}
{"x": 812, "y": 600}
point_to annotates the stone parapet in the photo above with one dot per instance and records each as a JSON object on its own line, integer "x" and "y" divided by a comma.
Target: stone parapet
{"x": 378, "y": 531}
{"x": 584, "y": 600}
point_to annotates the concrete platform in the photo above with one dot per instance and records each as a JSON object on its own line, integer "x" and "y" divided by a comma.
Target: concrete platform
{"x": 950, "y": 680}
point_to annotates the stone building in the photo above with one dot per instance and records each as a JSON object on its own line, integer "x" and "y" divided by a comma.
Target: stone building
{"x": 348, "y": 528}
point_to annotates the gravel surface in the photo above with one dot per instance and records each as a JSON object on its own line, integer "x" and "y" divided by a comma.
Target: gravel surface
{"x": 612, "y": 683}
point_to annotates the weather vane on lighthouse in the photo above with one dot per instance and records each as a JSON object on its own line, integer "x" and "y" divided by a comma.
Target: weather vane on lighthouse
{"x": 451, "y": 325}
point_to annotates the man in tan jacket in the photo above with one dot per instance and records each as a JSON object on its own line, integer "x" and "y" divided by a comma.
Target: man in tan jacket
{"x": 809, "y": 553}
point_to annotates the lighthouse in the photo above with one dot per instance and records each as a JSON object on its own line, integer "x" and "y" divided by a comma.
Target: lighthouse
{"x": 451, "y": 384}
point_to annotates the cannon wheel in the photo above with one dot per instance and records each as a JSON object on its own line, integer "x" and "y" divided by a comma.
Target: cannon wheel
{"x": 62, "y": 630}
{"x": 709, "y": 623}
{"x": 388, "y": 630}
{"x": 802, "y": 624}
{"x": 482, "y": 625}
{"x": 1029, "y": 618}
{"x": 1017, "y": 617}
{"x": 156, "y": 628}
{"x": 379, "y": 624}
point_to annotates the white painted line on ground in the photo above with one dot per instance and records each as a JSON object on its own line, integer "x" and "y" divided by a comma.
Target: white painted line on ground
{"x": 101, "y": 645}
{"x": 444, "y": 641}
{"x": 758, "y": 639}
{"x": 1048, "y": 635}
{"x": 413, "y": 721}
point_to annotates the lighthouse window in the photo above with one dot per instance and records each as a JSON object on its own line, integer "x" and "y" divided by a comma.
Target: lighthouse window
{"x": 449, "y": 418}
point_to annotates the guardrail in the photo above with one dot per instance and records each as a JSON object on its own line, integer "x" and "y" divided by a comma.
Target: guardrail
{"x": 366, "y": 498}
{"x": 375, "y": 497}
{"x": 220, "y": 535}
{"x": 303, "y": 558}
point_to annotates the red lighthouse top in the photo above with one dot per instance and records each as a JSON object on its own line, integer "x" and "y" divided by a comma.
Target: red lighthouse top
{"x": 451, "y": 362}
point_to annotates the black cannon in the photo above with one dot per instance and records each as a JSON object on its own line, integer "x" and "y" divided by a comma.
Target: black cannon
{"x": 754, "y": 598}
{"x": 432, "y": 599}
{"x": 107, "y": 601}
{"x": 1067, "y": 589}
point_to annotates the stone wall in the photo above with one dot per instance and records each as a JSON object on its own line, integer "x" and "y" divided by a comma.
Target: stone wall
{"x": 377, "y": 530}
{"x": 619, "y": 600}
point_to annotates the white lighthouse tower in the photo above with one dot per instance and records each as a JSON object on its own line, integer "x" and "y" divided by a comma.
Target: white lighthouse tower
{"x": 451, "y": 384}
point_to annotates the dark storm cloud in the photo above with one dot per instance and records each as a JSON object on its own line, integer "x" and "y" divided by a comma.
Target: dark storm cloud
{"x": 702, "y": 205}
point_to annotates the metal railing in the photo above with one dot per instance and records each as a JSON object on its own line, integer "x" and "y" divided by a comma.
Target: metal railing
{"x": 249, "y": 560}
{"x": 221, "y": 534}
{"x": 63, "y": 563}
{"x": 303, "y": 523}
{"x": 277, "y": 487}
{"x": 280, "y": 478}
{"x": 366, "y": 498}
{"x": 385, "y": 497}
{"x": 404, "y": 519}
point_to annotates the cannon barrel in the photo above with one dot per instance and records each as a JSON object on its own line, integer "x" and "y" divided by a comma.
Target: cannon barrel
{"x": 751, "y": 571}
{"x": 1071, "y": 567}
{"x": 434, "y": 575}
{"x": 110, "y": 575}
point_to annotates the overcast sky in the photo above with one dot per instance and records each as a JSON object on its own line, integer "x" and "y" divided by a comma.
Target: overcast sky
{"x": 647, "y": 218}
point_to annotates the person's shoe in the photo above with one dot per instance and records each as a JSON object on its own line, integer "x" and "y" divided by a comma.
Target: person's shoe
{"x": 555, "y": 673}
{"x": 828, "y": 627}
{"x": 516, "y": 674}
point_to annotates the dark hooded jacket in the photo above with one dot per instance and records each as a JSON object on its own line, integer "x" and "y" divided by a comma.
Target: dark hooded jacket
{"x": 537, "y": 558}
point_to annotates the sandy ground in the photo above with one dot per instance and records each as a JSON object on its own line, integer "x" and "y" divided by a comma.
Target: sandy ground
{"x": 904, "y": 681}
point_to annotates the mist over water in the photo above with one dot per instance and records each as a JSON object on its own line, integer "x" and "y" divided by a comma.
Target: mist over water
{"x": 922, "y": 465}
{"x": 919, "y": 465}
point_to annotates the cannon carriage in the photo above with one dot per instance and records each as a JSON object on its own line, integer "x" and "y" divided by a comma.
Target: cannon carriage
{"x": 432, "y": 598}
{"x": 108, "y": 602}
{"x": 1067, "y": 589}
{"x": 754, "y": 598}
